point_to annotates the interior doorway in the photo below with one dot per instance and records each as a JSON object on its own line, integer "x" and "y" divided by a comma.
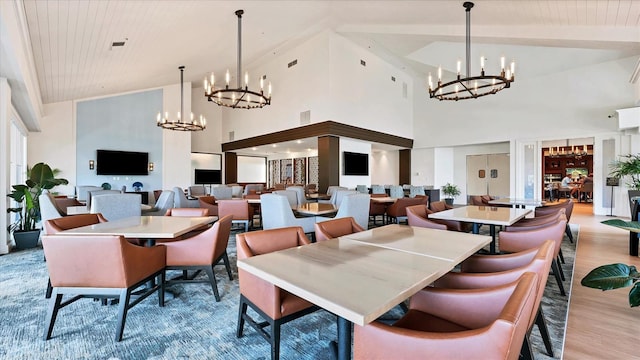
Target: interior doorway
{"x": 488, "y": 174}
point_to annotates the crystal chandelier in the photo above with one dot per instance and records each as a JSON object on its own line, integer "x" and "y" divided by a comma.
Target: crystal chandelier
{"x": 180, "y": 124}
{"x": 471, "y": 87}
{"x": 238, "y": 97}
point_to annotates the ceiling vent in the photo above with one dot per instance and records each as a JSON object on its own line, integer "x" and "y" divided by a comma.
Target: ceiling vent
{"x": 293, "y": 63}
{"x": 305, "y": 117}
{"x": 232, "y": 135}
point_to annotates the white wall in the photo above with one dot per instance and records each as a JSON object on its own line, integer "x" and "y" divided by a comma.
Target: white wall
{"x": 384, "y": 167}
{"x": 56, "y": 143}
{"x": 176, "y": 145}
{"x": 252, "y": 169}
{"x": 328, "y": 81}
{"x": 208, "y": 140}
{"x": 355, "y": 146}
{"x": 423, "y": 167}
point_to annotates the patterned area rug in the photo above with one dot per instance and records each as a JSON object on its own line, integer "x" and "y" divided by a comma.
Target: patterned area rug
{"x": 190, "y": 326}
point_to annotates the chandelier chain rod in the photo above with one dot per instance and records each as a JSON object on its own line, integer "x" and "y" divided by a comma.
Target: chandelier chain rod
{"x": 239, "y": 65}
{"x": 468, "y": 35}
{"x": 181, "y": 119}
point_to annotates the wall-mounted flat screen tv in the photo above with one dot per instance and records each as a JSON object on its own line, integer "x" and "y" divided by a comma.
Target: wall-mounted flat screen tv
{"x": 205, "y": 176}
{"x": 113, "y": 162}
{"x": 355, "y": 163}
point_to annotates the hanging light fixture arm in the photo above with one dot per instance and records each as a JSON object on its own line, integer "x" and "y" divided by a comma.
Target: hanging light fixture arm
{"x": 239, "y": 67}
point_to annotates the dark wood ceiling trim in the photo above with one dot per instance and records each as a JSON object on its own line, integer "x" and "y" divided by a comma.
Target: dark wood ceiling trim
{"x": 319, "y": 129}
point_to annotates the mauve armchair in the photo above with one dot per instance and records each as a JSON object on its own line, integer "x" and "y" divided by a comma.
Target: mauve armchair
{"x": 271, "y": 303}
{"x": 110, "y": 267}
{"x": 331, "y": 229}
{"x": 486, "y": 323}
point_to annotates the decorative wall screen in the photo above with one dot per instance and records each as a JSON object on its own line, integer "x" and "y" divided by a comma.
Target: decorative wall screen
{"x": 313, "y": 170}
{"x": 286, "y": 171}
{"x": 299, "y": 171}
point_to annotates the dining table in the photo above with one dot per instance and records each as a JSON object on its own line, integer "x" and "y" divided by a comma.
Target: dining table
{"x": 315, "y": 209}
{"x": 479, "y": 215}
{"x": 361, "y": 276}
{"x": 147, "y": 228}
{"x": 83, "y": 209}
{"x": 518, "y": 202}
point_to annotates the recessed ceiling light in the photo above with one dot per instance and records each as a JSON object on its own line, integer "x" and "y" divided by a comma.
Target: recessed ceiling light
{"x": 299, "y": 142}
{"x": 274, "y": 145}
{"x": 254, "y": 148}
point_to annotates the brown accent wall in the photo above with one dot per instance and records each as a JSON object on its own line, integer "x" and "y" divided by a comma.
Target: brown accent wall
{"x": 404, "y": 166}
{"x": 230, "y": 168}
{"x": 328, "y": 162}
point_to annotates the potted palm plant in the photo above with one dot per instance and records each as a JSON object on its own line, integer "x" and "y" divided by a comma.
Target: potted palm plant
{"x": 629, "y": 166}
{"x": 25, "y": 229}
{"x": 450, "y": 191}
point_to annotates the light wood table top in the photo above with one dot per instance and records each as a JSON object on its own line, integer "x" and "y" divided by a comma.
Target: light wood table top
{"x": 384, "y": 199}
{"x": 479, "y": 215}
{"x": 447, "y": 245}
{"x": 482, "y": 214}
{"x": 317, "y": 196}
{"x": 144, "y": 227}
{"x": 518, "y": 202}
{"x": 77, "y": 210}
{"x": 314, "y": 209}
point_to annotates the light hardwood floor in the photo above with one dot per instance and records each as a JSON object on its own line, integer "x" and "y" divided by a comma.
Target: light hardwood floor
{"x": 600, "y": 324}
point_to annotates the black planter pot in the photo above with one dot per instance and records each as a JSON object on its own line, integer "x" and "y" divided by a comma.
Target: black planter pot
{"x": 26, "y": 239}
{"x": 448, "y": 201}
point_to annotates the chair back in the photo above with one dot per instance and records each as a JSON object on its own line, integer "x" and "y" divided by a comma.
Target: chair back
{"x": 164, "y": 203}
{"x": 416, "y": 190}
{"x": 301, "y": 197}
{"x": 110, "y": 261}
{"x": 291, "y": 195}
{"x": 537, "y": 222}
{"x": 222, "y": 192}
{"x": 116, "y": 206}
{"x": 54, "y": 226}
{"x": 515, "y": 241}
{"x": 92, "y": 193}
{"x": 255, "y": 188}
{"x": 333, "y": 188}
{"x": 187, "y": 212}
{"x": 202, "y": 248}
{"x": 82, "y": 191}
{"x": 197, "y": 190}
{"x": 332, "y": 229}
{"x": 355, "y": 206}
{"x": 276, "y": 211}
{"x": 362, "y": 189}
{"x": 399, "y": 208}
{"x": 338, "y": 196}
{"x": 238, "y": 209}
{"x": 396, "y": 191}
{"x": 417, "y": 216}
{"x": 377, "y": 189}
{"x": 236, "y": 191}
{"x": 267, "y": 241}
{"x": 48, "y": 208}
{"x": 437, "y": 206}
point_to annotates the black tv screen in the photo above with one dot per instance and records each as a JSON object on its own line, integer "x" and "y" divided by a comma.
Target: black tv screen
{"x": 113, "y": 162}
{"x": 355, "y": 163}
{"x": 204, "y": 176}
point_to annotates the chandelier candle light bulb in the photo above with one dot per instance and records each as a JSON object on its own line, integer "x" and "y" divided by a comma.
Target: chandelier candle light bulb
{"x": 461, "y": 88}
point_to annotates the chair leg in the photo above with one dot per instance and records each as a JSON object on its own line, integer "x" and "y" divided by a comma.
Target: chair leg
{"x": 47, "y": 295}
{"x": 561, "y": 257}
{"x": 123, "y": 307}
{"x": 241, "y": 311}
{"x": 567, "y": 230}
{"x": 544, "y": 332}
{"x": 161, "y": 281}
{"x": 275, "y": 340}
{"x": 525, "y": 351}
{"x": 227, "y": 265}
{"x": 556, "y": 273}
{"x": 212, "y": 280}
{"x": 52, "y": 313}
{"x": 560, "y": 269}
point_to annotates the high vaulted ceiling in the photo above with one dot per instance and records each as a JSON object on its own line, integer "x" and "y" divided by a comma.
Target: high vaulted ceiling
{"x": 72, "y": 40}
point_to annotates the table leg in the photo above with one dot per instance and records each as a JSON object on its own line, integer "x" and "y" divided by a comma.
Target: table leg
{"x": 492, "y": 246}
{"x": 476, "y": 228}
{"x": 342, "y": 349}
